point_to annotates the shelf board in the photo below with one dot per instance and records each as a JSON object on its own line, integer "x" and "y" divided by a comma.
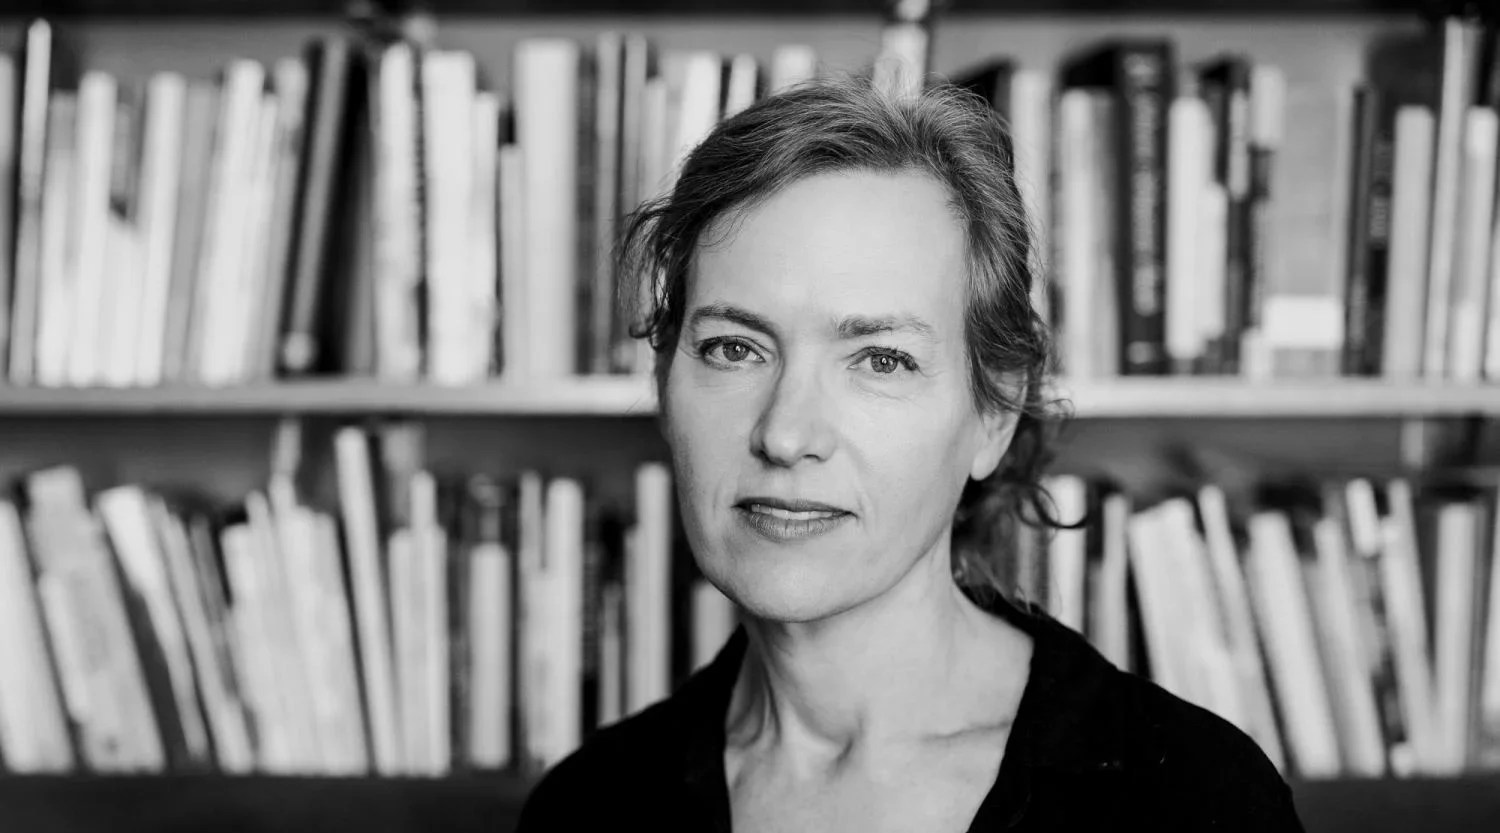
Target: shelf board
{"x": 592, "y": 396}
{"x": 1229, "y": 398}
{"x": 617, "y": 8}
{"x": 260, "y": 804}
{"x": 626, "y": 396}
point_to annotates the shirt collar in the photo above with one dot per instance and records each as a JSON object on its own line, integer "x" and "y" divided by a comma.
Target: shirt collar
{"x": 1068, "y": 720}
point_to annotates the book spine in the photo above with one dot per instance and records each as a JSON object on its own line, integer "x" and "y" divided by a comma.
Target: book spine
{"x": 326, "y": 138}
{"x": 10, "y": 114}
{"x": 1144, "y": 80}
{"x": 36, "y": 84}
{"x": 1357, "y": 316}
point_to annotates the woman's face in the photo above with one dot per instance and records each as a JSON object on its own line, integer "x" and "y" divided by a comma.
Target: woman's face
{"x": 818, "y": 406}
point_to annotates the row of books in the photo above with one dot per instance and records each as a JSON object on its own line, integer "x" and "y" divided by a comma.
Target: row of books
{"x": 375, "y": 208}
{"x": 1351, "y": 628}
{"x": 369, "y": 208}
{"x": 1221, "y": 218}
{"x": 427, "y": 625}
{"x": 430, "y": 624}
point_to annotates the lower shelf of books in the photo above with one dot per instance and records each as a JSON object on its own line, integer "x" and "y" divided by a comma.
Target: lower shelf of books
{"x": 491, "y": 803}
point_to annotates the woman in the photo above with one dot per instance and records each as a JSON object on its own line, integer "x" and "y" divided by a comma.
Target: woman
{"x": 851, "y": 379}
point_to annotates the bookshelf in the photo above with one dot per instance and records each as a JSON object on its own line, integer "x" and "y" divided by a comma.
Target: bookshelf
{"x": 217, "y": 440}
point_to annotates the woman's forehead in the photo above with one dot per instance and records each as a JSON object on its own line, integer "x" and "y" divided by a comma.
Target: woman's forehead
{"x": 867, "y": 243}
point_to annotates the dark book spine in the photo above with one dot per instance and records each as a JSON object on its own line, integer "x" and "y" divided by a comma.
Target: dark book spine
{"x": 1378, "y": 237}
{"x": 587, "y": 167}
{"x": 1357, "y": 321}
{"x": 606, "y": 145}
{"x": 326, "y": 142}
{"x": 1143, "y": 86}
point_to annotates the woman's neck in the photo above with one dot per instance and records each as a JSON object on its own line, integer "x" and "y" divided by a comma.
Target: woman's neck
{"x": 919, "y": 662}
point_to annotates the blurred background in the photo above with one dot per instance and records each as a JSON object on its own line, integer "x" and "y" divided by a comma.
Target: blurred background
{"x": 330, "y": 486}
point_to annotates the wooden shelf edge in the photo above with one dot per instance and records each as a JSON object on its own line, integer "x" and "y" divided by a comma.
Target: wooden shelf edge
{"x": 491, "y": 802}
{"x": 1211, "y": 397}
{"x": 633, "y": 396}
{"x": 591, "y": 396}
{"x": 798, "y": 8}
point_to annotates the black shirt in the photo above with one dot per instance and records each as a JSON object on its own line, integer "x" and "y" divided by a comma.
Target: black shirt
{"x": 1092, "y": 748}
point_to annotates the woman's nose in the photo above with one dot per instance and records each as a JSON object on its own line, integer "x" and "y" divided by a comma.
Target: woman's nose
{"x": 794, "y": 422}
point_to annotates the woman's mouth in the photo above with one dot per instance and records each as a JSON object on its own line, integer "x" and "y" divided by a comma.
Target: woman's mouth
{"x": 779, "y": 523}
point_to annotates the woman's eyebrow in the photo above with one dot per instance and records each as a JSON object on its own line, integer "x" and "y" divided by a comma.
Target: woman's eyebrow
{"x": 859, "y": 326}
{"x": 734, "y": 315}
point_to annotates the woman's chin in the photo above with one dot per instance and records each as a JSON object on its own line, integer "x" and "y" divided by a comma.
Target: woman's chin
{"x": 789, "y": 596}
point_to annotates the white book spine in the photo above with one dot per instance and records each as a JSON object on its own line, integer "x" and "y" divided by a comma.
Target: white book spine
{"x": 353, "y": 757}
{"x": 1458, "y": 541}
{"x": 33, "y": 725}
{"x": 481, "y": 284}
{"x": 1281, "y": 605}
{"x": 546, "y": 85}
{"x": 431, "y": 549}
{"x": 216, "y": 294}
{"x": 1113, "y": 615}
{"x": 563, "y": 555}
{"x": 491, "y": 640}
{"x": 515, "y": 326}
{"x": 1401, "y": 581}
{"x": 1190, "y": 172}
{"x": 1350, "y": 683}
{"x": 1032, "y": 103}
{"x": 1234, "y": 601}
{"x": 448, "y": 104}
{"x": 1077, "y": 264}
{"x": 372, "y": 624}
{"x": 397, "y": 217}
{"x": 1411, "y": 207}
{"x": 647, "y": 588}
{"x": 1456, "y": 93}
{"x": 161, "y": 169}
{"x": 1471, "y": 267}
{"x": 57, "y": 296}
{"x": 97, "y": 100}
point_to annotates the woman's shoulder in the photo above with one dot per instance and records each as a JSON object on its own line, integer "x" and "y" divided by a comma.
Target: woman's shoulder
{"x": 638, "y": 767}
{"x": 1166, "y": 760}
{"x": 610, "y": 766}
{"x": 1197, "y": 766}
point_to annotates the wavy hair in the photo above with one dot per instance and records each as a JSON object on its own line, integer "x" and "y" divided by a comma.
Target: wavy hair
{"x": 848, "y": 123}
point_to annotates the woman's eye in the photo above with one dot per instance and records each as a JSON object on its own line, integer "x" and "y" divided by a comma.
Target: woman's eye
{"x": 727, "y": 351}
{"x": 887, "y": 362}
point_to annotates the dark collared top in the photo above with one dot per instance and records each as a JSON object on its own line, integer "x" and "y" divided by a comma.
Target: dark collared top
{"x": 1092, "y": 748}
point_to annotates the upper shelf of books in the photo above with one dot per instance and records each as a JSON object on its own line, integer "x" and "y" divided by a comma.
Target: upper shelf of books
{"x": 311, "y": 8}
{"x": 632, "y": 396}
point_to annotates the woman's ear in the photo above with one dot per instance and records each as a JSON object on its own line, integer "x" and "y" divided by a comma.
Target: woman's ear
{"x": 996, "y": 430}
{"x": 997, "y": 427}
